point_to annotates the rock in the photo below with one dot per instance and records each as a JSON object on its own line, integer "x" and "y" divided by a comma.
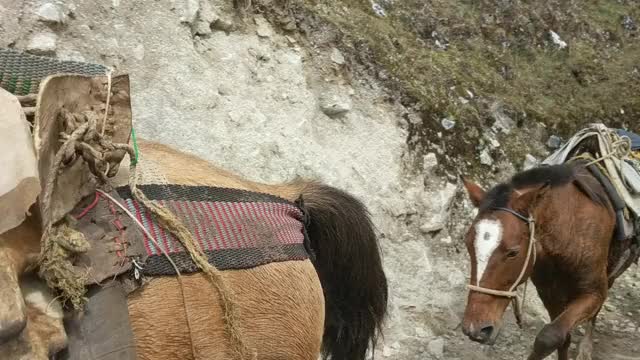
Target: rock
{"x": 502, "y": 121}
{"x": 436, "y": 348}
{"x": 557, "y": 40}
{"x": 485, "y": 158}
{"x": 429, "y": 162}
{"x": 432, "y": 226}
{"x": 51, "y": 13}
{"x": 188, "y": 10}
{"x": 446, "y": 240}
{"x": 334, "y": 105}
{"x": 337, "y": 57}
{"x": 223, "y": 25}
{"x": 554, "y": 142}
{"x": 43, "y": 43}
{"x": 200, "y": 27}
{"x": 207, "y": 13}
{"x": 491, "y": 139}
{"x": 378, "y": 10}
{"x": 225, "y": 90}
{"x": 438, "y": 204}
{"x": 204, "y": 19}
{"x": 448, "y": 124}
{"x": 628, "y": 23}
{"x": 529, "y": 162}
{"x": 263, "y": 28}
{"x": 421, "y": 332}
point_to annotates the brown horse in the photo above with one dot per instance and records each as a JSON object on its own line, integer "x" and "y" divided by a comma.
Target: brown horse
{"x": 555, "y": 225}
{"x": 292, "y": 309}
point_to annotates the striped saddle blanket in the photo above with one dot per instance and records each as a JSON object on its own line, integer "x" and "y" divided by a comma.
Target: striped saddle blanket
{"x": 236, "y": 229}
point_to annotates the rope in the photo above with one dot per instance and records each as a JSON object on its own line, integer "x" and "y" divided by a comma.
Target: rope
{"x": 167, "y": 220}
{"x": 106, "y": 109}
{"x": 621, "y": 148}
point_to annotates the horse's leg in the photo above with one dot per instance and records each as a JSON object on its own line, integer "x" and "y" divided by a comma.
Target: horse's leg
{"x": 18, "y": 248}
{"x": 555, "y": 301}
{"x": 554, "y": 335}
{"x": 585, "y": 348}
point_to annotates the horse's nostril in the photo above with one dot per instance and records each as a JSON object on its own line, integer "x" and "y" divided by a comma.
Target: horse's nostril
{"x": 486, "y": 332}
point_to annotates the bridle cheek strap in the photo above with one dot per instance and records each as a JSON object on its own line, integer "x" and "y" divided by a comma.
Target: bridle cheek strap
{"x": 531, "y": 257}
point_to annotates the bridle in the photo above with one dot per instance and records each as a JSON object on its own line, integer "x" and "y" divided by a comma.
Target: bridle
{"x": 531, "y": 256}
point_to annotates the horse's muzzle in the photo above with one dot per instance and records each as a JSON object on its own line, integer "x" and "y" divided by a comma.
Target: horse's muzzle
{"x": 483, "y": 334}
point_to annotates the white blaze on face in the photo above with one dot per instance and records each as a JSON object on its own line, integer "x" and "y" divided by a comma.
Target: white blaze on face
{"x": 488, "y": 237}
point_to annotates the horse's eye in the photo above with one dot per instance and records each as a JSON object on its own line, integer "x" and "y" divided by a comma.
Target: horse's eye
{"x": 512, "y": 253}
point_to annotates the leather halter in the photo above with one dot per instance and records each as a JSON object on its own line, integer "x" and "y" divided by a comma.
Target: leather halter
{"x": 531, "y": 253}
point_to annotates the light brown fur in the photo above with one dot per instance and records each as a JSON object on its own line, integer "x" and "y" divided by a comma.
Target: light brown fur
{"x": 282, "y": 320}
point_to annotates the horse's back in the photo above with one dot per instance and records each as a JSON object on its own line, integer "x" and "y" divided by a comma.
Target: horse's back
{"x": 280, "y": 305}
{"x": 280, "y": 308}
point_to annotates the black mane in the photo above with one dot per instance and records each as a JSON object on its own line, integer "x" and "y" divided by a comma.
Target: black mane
{"x": 553, "y": 175}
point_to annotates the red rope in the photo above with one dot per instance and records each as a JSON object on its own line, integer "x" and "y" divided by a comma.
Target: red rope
{"x": 88, "y": 208}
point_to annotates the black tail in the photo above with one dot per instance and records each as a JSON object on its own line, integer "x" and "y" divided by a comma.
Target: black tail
{"x": 349, "y": 265}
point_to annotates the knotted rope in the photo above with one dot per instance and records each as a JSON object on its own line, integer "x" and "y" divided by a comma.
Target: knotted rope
{"x": 81, "y": 139}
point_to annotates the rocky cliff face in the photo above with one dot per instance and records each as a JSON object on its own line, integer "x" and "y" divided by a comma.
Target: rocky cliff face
{"x": 374, "y": 98}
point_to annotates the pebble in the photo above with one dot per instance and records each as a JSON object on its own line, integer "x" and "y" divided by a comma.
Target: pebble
{"x": 430, "y": 162}
{"x": 49, "y": 12}
{"x": 448, "y": 124}
{"x": 530, "y": 161}
{"x": 334, "y": 105}
{"x": 446, "y": 240}
{"x": 43, "y": 43}
{"x": 263, "y": 28}
{"x": 222, "y": 25}
{"x": 628, "y": 23}
{"x": 225, "y": 90}
{"x": 485, "y": 158}
{"x": 436, "y": 348}
{"x": 378, "y": 10}
{"x": 207, "y": 13}
{"x": 557, "y": 40}
{"x": 201, "y": 27}
{"x": 554, "y": 142}
{"x": 337, "y": 57}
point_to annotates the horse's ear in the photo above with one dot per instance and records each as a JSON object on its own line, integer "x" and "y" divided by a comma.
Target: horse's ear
{"x": 476, "y": 193}
{"x": 527, "y": 197}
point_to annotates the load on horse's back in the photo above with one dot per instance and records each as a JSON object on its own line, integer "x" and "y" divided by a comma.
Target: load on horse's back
{"x": 571, "y": 226}
{"x": 171, "y": 257}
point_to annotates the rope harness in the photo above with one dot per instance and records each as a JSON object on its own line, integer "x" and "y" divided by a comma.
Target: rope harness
{"x": 518, "y": 306}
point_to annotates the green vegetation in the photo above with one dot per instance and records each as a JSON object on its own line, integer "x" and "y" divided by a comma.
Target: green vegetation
{"x": 439, "y": 52}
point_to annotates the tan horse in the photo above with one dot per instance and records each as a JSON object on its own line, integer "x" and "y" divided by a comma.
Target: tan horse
{"x": 288, "y": 310}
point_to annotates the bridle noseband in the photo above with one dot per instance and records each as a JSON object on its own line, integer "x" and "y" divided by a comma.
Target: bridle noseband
{"x": 531, "y": 253}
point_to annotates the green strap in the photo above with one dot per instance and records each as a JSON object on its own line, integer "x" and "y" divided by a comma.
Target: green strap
{"x": 135, "y": 145}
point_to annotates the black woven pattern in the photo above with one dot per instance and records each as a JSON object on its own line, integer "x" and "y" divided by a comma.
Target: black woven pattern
{"x": 21, "y": 73}
{"x": 200, "y": 193}
{"x": 228, "y": 259}
{"x": 223, "y": 259}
